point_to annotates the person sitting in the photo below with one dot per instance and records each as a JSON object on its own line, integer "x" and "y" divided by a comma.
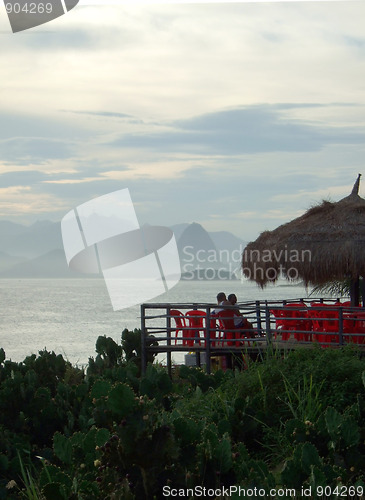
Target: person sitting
{"x": 240, "y": 321}
{"x": 221, "y": 301}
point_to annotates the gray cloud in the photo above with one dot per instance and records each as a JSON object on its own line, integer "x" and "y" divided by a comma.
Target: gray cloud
{"x": 67, "y": 40}
{"x": 22, "y": 125}
{"x": 232, "y": 184}
{"x": 23, "y": 150}
{"x": 249, "y": 130}
{"x": 17, "y": 178}
{"x": 356, "y": 42}
{"x": 106, "y": 114}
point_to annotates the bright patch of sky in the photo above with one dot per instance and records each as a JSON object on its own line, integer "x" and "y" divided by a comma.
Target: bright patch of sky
{"x": 238, "y": 116}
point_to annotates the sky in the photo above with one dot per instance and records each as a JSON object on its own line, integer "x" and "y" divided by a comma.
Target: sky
{"x": 238, "y": 116}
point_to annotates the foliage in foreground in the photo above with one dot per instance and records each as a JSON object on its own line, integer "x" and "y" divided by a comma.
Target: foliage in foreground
{"x": 107, "y": 432}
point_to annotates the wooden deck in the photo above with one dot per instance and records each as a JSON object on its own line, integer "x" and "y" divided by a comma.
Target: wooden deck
{"x": 161, "y": 335}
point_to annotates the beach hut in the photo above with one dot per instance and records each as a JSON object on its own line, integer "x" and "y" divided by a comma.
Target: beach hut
{"x": 326, "y": 243}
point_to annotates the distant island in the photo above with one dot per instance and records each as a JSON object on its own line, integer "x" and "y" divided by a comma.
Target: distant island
{"x": 209, "y": 274}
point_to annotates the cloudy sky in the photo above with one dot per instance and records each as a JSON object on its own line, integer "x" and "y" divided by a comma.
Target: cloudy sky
{"x": 237, "y": 116}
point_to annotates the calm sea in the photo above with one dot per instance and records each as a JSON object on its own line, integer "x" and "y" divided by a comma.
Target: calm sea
{"x": 67, "y": 316}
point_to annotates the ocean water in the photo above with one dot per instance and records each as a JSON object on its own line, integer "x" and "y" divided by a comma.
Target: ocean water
{"x": 68, "y": 315}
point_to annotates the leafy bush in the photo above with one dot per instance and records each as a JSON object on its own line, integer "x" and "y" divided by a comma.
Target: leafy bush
{"x": 291, "y": 421}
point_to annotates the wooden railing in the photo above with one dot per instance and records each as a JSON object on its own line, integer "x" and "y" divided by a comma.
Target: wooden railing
{"x": 285, "y": 324}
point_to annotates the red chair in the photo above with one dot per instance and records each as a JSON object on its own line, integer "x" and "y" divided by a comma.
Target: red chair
{"x": 291, "y": 318}
{"x": 354, "y": 324}
{"x": 317, "y": 324}
{"x": 279, "y": 314}
{"x": 230, "y": 331}
{"x": 346, "y": 304}
{"x": 180, "y": 324}
{"x": 325, "y": 322}
{"x": 195, "y": 326}
{"x": 351, "y": 324}
{"x": 299, "y": 322}
{"x": 215, "y": 330}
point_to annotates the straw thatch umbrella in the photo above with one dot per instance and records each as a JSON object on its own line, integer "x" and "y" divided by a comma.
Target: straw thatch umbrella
{"x": 326, "y": 243}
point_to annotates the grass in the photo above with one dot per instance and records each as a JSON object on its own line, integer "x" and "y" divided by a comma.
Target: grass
{"x": 30, "y": 490}
{"x": 304, "y": 400}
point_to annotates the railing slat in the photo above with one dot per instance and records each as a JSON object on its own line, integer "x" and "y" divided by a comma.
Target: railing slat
{"x": 156, "y": 320}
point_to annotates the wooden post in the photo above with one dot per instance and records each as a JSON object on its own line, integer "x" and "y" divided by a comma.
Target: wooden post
{"x": 258, "y": 317}
{"x": 268, "y": 325}
{"x": 355, "y": 291}
{"x": 143, "y": 340}
{"x": 340, "y": 325}
{"x": 207, "y": 341}
{"x": 362, "y": 290}
{"x": 168, "y": 330}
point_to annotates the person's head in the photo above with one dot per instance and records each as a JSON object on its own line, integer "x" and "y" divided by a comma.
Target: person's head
{"x": 232, "y": 299}
{"x": 221, "y": 297}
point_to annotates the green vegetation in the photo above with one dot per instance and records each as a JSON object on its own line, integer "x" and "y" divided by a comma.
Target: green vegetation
{"x": 107, "y": 432}
{"x": 337, "y": 288}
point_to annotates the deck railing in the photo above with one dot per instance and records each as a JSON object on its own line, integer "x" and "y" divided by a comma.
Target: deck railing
{"x": 285, "y": 324}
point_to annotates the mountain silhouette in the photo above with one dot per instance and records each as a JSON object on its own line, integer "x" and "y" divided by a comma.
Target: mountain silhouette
{"x": 51, "y": 265}
{"x": 36, "y": 251}
{"x": 195, "y": 239}
{"x": 30, "y": 241}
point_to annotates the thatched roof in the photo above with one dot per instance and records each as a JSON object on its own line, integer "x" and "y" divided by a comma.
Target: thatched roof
{"x": 324, "y": 244}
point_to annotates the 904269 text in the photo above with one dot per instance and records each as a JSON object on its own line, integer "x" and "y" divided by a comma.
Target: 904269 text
{"x": 28, "y": 8}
